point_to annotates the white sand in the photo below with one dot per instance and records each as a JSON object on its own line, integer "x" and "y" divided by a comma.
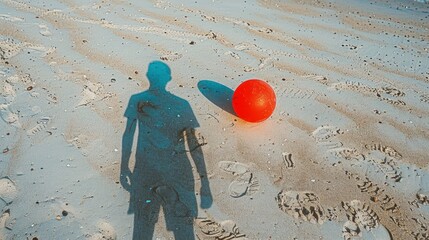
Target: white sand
{"x": 344, "y": 154}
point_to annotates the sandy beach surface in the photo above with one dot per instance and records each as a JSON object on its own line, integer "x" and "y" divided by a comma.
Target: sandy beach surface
{"x": 117, "y": 123}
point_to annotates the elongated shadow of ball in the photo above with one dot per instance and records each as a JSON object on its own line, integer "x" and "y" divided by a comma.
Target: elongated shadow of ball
{"x": 218, "y": 94}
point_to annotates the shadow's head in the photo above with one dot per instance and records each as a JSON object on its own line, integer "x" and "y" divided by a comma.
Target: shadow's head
{"x": 158, "y": 74}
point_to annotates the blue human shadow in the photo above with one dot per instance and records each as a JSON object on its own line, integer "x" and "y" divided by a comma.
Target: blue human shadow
{"x": 162, "y": 175}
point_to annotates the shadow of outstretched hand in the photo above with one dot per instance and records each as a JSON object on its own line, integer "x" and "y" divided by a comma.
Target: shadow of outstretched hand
{"x": 125, "y": 179}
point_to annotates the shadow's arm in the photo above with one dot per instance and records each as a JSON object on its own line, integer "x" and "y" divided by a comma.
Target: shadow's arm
{"x": 198, "y": 158}
{"x": 127, "y": 144}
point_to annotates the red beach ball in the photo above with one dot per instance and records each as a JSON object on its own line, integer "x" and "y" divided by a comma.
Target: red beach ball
{"x": 254, "y": 100}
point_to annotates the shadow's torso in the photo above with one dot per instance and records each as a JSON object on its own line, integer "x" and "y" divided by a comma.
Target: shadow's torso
{"x": 161, "y": 157}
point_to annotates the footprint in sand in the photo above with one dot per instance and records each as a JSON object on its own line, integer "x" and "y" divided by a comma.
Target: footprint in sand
{"x": 93, "y": 92}
{"x": 171, "y": 56}
{"x": 10, "y": 18}
{"x": 301, "y": 205}
{"x": 383, "y": 94}
{"x": 234, "y": 168}
{"x": 208, "y": 228}
{"x": 296, "y": 93}
{"x": 324, "y": 133}
{"x": 90, "y": 92}
{"x": 385, "y": 158}
{"x": 41, "y": 125}
{"x": 245, "y": 182}
{"x": 424, "y": 98}
{"x": 9, "y": 116}
{"x": 388, "y": 166}
{"x": 384, "y": 149}
{"x": 392, "y": 91}
{"x": 376, "y": 193}
{"x": 245, "y": 46}
{"x": 325, "y": 137}
{"x": 232, "y": 54}
{"x": 351, "y": 230}
{"x": 354, "y": 86}
{"x": 321, "y": 79}
{"x": 5, "y": 224}
{"x": 386, "y": 94}
{"x": 11, "y": 47}
{"x": 264, "y": 63}
{"x": 361, "y": 214}
{"x": 4, "y": 218}
{"x": 421, "y": 199}
{"x": 20, "y": 78}
{"x": 44, "y": 30}
{"x": 264, "y": 30}
{"x": 8, "y": 190}
{"x": 8, "y": 92}
{"x": 287, "y": 160}
{"x": 363, "y": 222}
{"x": 105, "y": 232}
{"x": 347, "y": 153}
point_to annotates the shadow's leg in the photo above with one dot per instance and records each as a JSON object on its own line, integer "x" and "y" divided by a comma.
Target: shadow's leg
{"x": 184, "y": 232}
{"x": 145, "y": 218}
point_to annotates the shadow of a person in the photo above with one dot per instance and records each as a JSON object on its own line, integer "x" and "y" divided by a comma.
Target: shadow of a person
{"x": 162, "y": 175}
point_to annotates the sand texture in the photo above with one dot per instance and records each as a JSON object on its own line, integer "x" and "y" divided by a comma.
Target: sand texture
{"x": 116, "y": 120}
